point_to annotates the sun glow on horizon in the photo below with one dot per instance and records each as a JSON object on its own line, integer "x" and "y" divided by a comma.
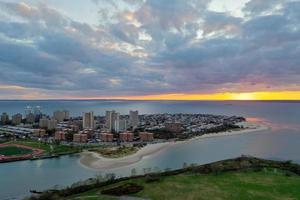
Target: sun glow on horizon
{"x": 279, "y": 95}
{"x": 32, "y": 94}
{"x": 245, "y": 96}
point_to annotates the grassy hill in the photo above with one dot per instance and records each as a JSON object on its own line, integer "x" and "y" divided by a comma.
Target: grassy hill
{"x": 240, "y": 178}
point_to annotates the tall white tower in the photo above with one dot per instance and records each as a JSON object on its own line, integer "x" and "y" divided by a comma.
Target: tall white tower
{"x": 88, "y": 120}
{"x": 112, "y": 121}
{"x": 134, "y": 118}
{"x": 28, "y": 110}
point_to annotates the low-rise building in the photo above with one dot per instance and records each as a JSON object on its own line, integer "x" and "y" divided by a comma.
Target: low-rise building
{"x": 173, "y": 127}
{"x": 80, "y": 138}
{"x": 88, "y": 132}
{"x": 60, "y": 135}
{"x": 106, "y": 137}
{"x": 39, "y": 133}
{"x": 146, "y": 136}
{"x": 22, "y": 131}
{"x": 126, "y": 137}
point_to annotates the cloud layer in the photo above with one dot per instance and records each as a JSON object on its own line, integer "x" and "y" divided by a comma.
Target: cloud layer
{"x": 145, "y": 47}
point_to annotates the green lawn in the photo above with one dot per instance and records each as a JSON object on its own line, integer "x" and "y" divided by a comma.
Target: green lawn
{"x": 48, "y": 148}
{"x": 264, "y": 185}
{"x": 14, "y": 151}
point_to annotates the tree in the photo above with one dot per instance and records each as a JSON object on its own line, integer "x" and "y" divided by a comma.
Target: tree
{"x": 156, "y": 170}
{"x": 110, "y": 176}
{"x": 99, "y": 177}
{"x": 185, "y": 165}
{"x": 133, "y": 172}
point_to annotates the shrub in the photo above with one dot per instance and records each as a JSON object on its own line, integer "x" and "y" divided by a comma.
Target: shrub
{"x": 126, "y": 189}
{"x": 152, "y": 178}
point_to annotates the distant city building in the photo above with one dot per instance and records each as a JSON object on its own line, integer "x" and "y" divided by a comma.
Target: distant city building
{"x": 28, "y": 110}
{"x": 173, "y": 127}
{"x": 30, "y": 118}
{"x": 88, "y": 132}
{"x": 61, "y": 115}
{"x": 108, "y": 119}
{"x": 17, "y": 119}
{"x": 74, "y": 128}
{"x": 106, "y": 137}
{"x": 113, "y": 121}
{"x": 126, "y": 137}
{"x": 134, "y": 119}
{"x": 80, "y": 138}
{"x": 37, "y": 111}
{"x": 146, "y": 136}
{"x": 43, "y": 122}
{"x": 52, "y": 123}
{"x": 88, "y": 120}
{"x": 123, "y": 125}
{"x": 4, "y": 118}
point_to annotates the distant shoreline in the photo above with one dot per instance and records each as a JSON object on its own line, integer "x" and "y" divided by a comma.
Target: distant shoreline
{"x": 95, "y": 161}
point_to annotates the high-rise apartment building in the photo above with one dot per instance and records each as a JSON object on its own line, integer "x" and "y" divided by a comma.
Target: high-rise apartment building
{"x": 17, "y": 119}
{"x": 28, "y": 110}
{"x": 88, "y": 120}
{"x": 113, "y": 121}
{"x": 37, "y": 110}
{"x": 4, "y": 118}
{"x": 123, "y": 125}
{"x": 61, "y": 115}
{"x": 43, "y": 122}
{"x": 30, "y": 118}
{"x": 108, "y": 117}
{"x": 52, "y": 123}
{"x": 134, "y": 118}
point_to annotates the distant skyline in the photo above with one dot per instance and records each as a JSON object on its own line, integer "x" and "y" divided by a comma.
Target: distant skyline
{"x": 150, "y": 49}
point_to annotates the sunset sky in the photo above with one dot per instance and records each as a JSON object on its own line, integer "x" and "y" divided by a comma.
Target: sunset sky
{"x": 150, "y": 49}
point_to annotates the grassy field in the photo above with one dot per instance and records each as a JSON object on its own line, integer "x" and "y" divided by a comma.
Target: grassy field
{"x": 265, "y": 185}
{"x": 115, "y": 152}
{"x": 14, "y": 151}
{"x": 48, "y": 148}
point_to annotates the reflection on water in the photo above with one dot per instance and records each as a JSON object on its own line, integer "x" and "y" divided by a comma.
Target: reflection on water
{"x": 281, "y": 142}
{"x": 275, "y": 126}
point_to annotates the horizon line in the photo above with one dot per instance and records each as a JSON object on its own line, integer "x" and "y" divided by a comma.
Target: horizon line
{"x": 104, "y": 99}
{"x": 225, "y": 96}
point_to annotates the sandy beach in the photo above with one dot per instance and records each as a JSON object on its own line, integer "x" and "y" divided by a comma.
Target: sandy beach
{"x": 95, "y": 161}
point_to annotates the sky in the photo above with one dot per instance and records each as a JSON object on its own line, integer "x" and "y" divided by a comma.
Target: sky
{"x": 150, "y": 49}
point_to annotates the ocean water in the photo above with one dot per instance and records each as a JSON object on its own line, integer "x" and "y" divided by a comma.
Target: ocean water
{"x": 281, "y": 142}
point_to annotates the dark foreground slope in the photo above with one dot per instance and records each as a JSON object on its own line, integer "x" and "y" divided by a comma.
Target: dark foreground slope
{"x": 240, "y": 178}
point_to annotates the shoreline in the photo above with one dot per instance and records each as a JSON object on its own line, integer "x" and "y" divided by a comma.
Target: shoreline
{"x": 95, "y": 161}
